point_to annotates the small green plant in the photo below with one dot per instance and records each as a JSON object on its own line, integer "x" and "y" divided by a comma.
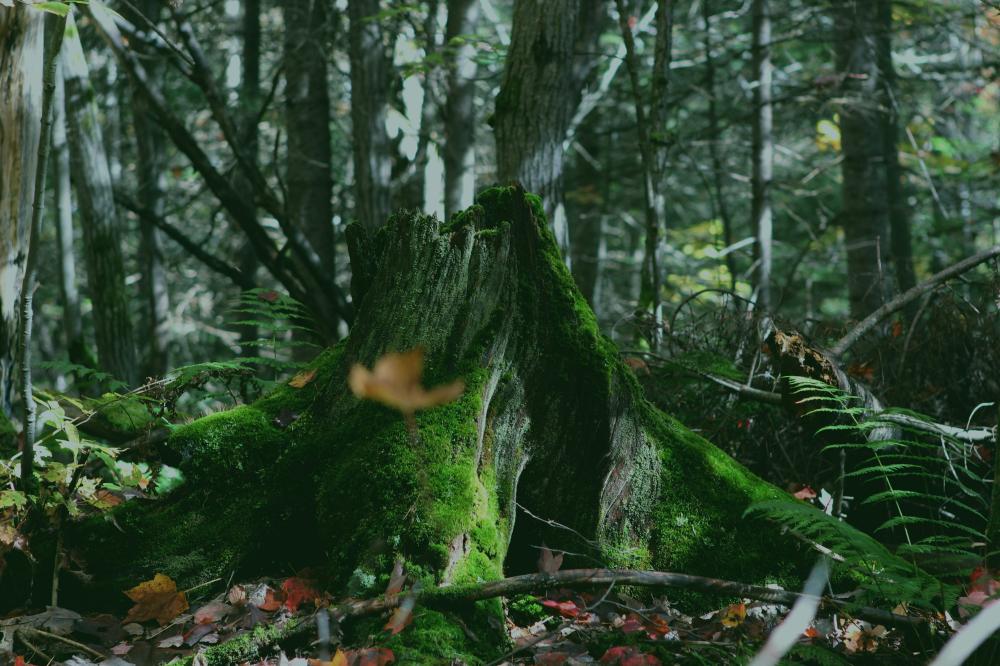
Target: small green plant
{"x": 933, "y": 485}
{"x": 74, "y": 476}
{"x": 282, "y": 324}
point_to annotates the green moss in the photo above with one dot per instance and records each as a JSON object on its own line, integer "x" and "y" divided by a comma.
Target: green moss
{"x": 252, "y": 646}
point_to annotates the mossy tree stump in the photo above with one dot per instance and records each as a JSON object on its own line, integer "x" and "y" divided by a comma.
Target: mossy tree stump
{"x": 551, "y": 419}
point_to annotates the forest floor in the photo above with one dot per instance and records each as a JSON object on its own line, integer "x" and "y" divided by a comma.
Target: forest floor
{"x": 292, "y": 622}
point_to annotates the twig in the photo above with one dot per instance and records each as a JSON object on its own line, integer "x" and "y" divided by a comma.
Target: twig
{"x": 910, "y": 295}
{"x": 68, "y": 641}
{"x": 575, "y": 578}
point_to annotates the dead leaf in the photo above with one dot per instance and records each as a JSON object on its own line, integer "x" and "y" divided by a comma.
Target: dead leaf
{"x": 156, "y": 599}
{"x": 547, "y": 562}
{"x": 402, "y": 616}
{"x": 805, "y": 493}
{"x": 270, "y": 296}
{"x": 237, "y": 595}
{"x": 298, "y": 591}
{"x": 172, "y": 642}
{"x": 303, "y": 378}
{"x": 395, "y": 381}
{"x": 734, "y": 615}
{"x": 212, "y": 612}
{"x": 122, "y": 648}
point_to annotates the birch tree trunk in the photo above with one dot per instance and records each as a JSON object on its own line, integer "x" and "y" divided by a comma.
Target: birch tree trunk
{"x": 547, "y": 63}
{"x": 371, "y": 69}
{"x": 21, "y": 54}
{"x": 460, "y": 111}
{"x": 763, "y": 153}
{"x": 99, "y": 217}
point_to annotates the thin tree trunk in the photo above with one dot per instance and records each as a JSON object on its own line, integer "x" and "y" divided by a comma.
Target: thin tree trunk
{"x": 307, "y": 122}
{"x": 371, "y": 72}
{"x": 899, "y": 218}
{"x": 21, "y": 49}
{"x": 55, "y": 28}
{"x": 715, "y": 132}
{"x": 68, "y": 293}
{"x": 249, "y": 101}
{"x": 150, "y": 167}
{"x": 99, "y": 217}
{"x": 865, "y": 210}
{"x": 541, "y": 87}
{"x": 763, "y": 153}
{"x": 460, "y": 111}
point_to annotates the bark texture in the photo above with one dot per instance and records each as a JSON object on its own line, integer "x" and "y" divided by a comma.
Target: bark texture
{"x": 370, "y": 79}
{"x": 763, "y": 153}
{"x": 551, "y": 419}
{"x": 865, "y": 206}
{"x": 102, "y": 242}
{"x": 307, "y": 121}
{"x": 21, "y": 48}
{"x": 460, "y": 110}
{"x": 548, "y": 60}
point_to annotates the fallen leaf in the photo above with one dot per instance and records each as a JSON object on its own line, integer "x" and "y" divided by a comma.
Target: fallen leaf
{"x": 372, "y": 657}
{"x": 805, "y": 493}
{"x": 237, "y": 595}
{"x": 395, "y": 381}
{"x": 298, "y": 591}
{"x": 897, "y": 329}
{"x": 212, "y": 612}
{"x": 547, "y": 562}
{"x": 156, "y": 599}
{"x": 553, "y": 658}
{"x": 270, "y": 296}
{"x": 198, "y": 632}
{"x": 122, "y": 648}
{"x": 303, "y": 378}
{"x": 564, "y": 608}
{"x": 402, "y": 616}
{"x": 172, "y": 642}
{"x": 627, "y": 655}
{"x": 862, "y": 637}
{"x": 734, "y": 615}
{"x": 266, "y": 598}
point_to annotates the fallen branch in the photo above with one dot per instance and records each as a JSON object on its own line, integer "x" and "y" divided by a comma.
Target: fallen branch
{"x": 910, "y": 295}
{"x": 576, "y": 578}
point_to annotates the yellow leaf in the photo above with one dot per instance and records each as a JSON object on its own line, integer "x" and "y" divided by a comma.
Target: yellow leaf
{"x": 303, "y": 378}
{"x": 395, "y": 381}
{"x": 156, "y": 599}
{"x": 828, "y": 135}
{"x": 734, "y": 615}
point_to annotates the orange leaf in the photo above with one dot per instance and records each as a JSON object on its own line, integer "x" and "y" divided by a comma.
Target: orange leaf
{"x": 402, "y": 616}
{"x": 298, "y": 591}
{"x": 156, "y": 599}
{"x": 734, "y": 615}
{"x": 395, "y": 381}
{"x": 303, "y": 378}
{"x": 897, "y": 329}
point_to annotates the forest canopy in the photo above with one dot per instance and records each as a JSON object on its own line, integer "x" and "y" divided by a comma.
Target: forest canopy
{"x": 499, "y": 332}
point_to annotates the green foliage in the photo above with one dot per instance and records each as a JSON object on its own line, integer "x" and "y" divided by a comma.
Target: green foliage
{"x": 937, "y": 501}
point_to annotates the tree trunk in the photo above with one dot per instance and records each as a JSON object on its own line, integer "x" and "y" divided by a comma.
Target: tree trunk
{"x": 249, "y": 107}
{"x": 547, "y": 63}
{"x": 99, "y": 217}
{"x": 69, "y": 295}
{"x": 865, "y": 211}
{"x": 307, "y": 122}
{"x": 21, "y": 47}
{"x": 899, "y": 218}
{"x": 551, "y": 420}
{"x": 370, "y": 79}
{"x": 460, "y": 111}
{"x": 150, "y": 143}
{"x": 763, "y": 153}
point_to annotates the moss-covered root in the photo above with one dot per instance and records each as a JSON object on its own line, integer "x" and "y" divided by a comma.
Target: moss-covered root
{"x": 551, "y": 419}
